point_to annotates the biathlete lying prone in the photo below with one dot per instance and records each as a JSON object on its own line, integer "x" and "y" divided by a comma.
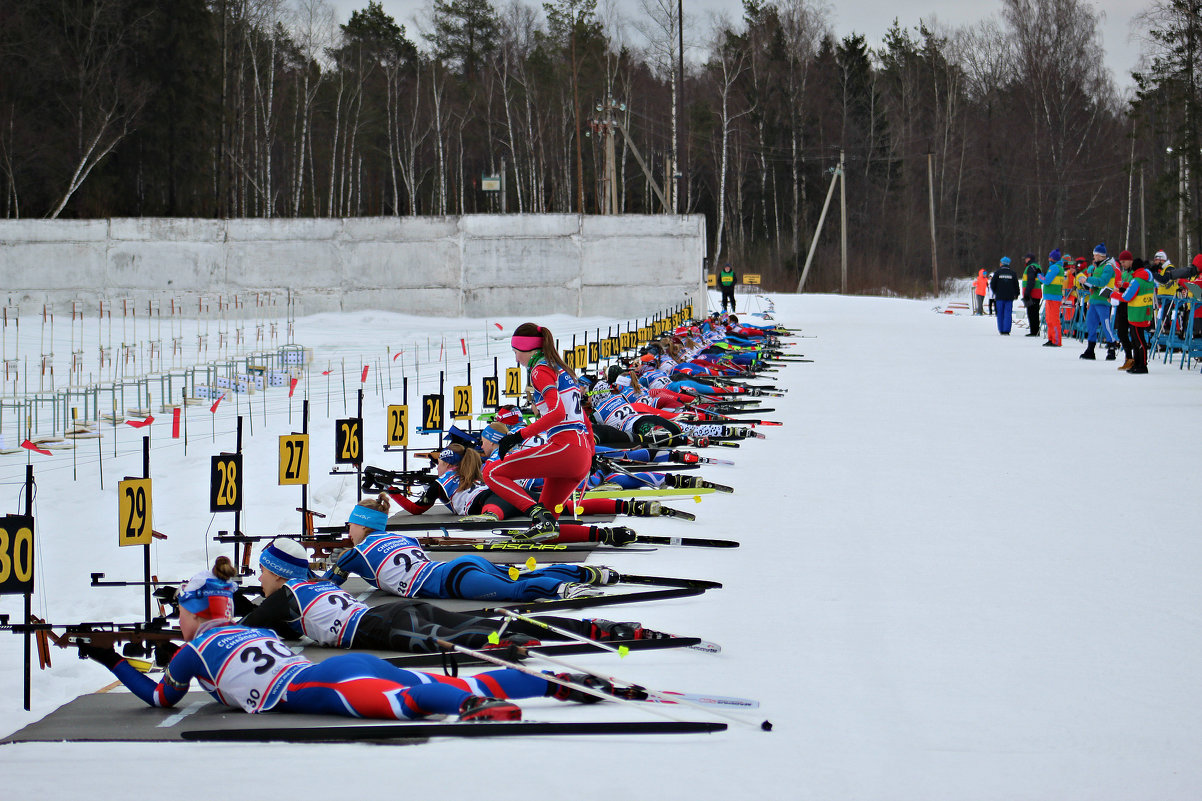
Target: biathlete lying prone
{"x": 254, "y": 670}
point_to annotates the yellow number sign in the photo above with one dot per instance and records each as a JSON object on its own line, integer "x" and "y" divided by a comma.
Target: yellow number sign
{"x": 463, "y": 403}
{"x": 134, "y": 512}
{"x": 294, "y": 459}
{"x": 398, "y": 426}
{"x": 16, "y": 555}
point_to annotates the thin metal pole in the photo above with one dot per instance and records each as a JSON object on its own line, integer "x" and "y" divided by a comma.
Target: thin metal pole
{"x": 146, "y": 547}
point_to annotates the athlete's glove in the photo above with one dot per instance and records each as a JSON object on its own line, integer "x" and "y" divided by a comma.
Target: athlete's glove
{"x": 163, "y": 651}
{"x": 105, "y": 656}
{"x": 510, "y": 441}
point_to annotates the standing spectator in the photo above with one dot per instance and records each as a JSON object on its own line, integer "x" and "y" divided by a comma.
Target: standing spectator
{"x": 726, "y": 282}
{"x": 980, "y": 286}
{"x": 1032, "y": 292}
{"x": 1141, "y": 311}
{"x": 1103, "y": 275}
{"x": 1052, "y": 281}
{"x": 1005, "y": 289}
{"x": 989, "y": 296}
{"x": 1164, "y": 292}
{"x": 1121, "y": 327}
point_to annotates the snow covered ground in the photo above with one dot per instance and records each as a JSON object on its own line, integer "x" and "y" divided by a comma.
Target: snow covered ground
{"x": 968, "y": 571}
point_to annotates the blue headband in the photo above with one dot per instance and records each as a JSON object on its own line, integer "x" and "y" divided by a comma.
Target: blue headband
{"x": 449, "y": 456}
{"x": 492, "y": 435}
{"x": 373, "y": 519}
{"x": 284, "y": 564}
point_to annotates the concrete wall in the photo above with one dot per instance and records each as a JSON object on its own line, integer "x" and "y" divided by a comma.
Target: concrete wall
{"x": 480, "y": 265}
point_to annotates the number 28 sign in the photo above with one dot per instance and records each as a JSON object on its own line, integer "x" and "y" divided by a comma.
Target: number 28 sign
{"x": 225, "y": 483}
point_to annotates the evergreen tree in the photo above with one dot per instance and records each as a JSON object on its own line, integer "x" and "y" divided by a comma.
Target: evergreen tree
{"x": 465, "y": 33}
{"x": 1176, "y": 76}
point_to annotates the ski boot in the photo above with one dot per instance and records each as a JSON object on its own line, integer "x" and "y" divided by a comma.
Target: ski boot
{"x": 601, "y": 629}
{"x": 645, "y": 509}
{"x": 477, "y": 708}
{"x": 1089, "y": 354}
{"x": 572, "y": 589}
{"x": 694, "y": 482}
{"x": 511, "y": 647}
{"x": 562, "y": 692}
{"x": 616, "y": 536}
{"x": 545, "y": 526}
{"x": 600, "y": 575}
{"x": 685, "y": 457}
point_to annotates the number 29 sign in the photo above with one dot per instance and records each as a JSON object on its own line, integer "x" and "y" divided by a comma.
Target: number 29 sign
{"x": 134, "y": 512}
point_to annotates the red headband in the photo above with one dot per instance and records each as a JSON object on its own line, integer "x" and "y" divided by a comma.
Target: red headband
{"x": 524, "y": 343}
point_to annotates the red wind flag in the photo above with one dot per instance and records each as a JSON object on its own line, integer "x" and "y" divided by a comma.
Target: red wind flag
{"x": 29, "y": 446}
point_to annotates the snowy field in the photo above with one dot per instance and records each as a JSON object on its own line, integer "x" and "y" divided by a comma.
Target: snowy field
{"x": 968, "y": 572}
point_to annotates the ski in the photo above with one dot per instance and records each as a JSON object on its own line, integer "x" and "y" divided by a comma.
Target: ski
{"x": 655, "y": 492}
{"x": 691, "y": 457}
{"x": 718, "y": 487}
{"x": 554, "y": 649}
{"x": 723, "y": 701}
{"x": 404, "y": 731}
{"x": 734, "y": 412}
{"x": 669, "y": 581}
{"x": 549, "y": 604}
{"x": 692, "y": 542}
{"x": 450, "y": 525}
{"x": 532, "y": 548}
{"x": 668, "y": 511}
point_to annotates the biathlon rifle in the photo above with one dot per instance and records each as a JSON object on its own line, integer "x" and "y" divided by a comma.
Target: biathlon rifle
{"x": 378, "y": 478}
{"x": 141, "y": 639}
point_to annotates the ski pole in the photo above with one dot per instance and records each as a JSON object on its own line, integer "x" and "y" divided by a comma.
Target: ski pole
{"x": 659, "y": 696}
{"x": 635, "y": 476}
{"x": 620, "y": 651}
{"x": 449, "y": 646}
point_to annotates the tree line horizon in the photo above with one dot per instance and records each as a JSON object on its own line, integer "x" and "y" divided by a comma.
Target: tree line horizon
{"x": 1011, "y": 127}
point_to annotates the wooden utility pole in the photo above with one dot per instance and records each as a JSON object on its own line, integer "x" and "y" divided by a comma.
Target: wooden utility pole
{"x": 679, "y": 108}
{"x": 931, "y": 199}
{"x": 805, "y": 271}
{"x": 576, "y": 110}
{"x": 843, "y": 221}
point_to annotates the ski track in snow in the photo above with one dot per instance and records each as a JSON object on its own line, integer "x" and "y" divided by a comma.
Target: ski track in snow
{"x": 975, "y": 579}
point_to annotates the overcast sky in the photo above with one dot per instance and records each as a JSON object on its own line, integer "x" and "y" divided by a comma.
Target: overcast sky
{"x": 872, "y": 18}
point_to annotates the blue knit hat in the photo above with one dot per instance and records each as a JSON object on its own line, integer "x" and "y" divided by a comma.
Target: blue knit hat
{"x": 286, "y": 558}
{"x": 491, "y": 434}
{"x": 1100, "y": 250}
{"x": 1005, "y": 259}
{"x": 206, "y": 595}
{"x": 1054, "y": 255}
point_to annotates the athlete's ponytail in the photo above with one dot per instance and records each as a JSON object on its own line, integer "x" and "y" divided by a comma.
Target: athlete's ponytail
{"x": 223, "y": 568}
